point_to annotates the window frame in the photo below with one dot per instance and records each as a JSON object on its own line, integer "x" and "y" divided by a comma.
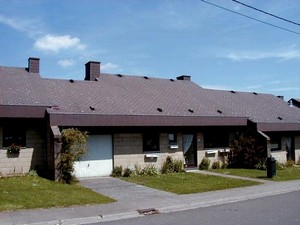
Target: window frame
{"x": 151, "y": 142}
{"x": 13, "y": 135}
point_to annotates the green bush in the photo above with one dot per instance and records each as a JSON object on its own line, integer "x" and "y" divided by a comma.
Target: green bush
{"x": 74, "y": 146}
{"x": 280, "y": 166}
{"x": 205, "y": 163}
{"x": 127, "y": 172}
{"x": 172, "y": 166}
{"x": 261, "y": 165}
{"x": 168, "y": 166}
{"x": 224, "y": 165}
{"x": 290, "y": 163}
{"x": 149, "y": 170}
{"x": 178, "y": 166}
{"x": 245, "y": 152}
{"x": 117, "y": 171}
{"x": 137, "y": 170}
{"x": 216, "y": 165}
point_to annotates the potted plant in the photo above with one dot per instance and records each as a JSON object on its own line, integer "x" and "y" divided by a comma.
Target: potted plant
{"x": 14, "y": 149}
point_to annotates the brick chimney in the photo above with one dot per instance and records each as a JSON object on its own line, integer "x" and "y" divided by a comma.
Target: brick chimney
{"x": 33, "y": 65}
{"x": 184, "y": 77}
{"x": 92, "y": 71}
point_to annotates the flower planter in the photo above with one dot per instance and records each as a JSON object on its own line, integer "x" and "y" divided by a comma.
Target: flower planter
{"x": 15, "y": 163}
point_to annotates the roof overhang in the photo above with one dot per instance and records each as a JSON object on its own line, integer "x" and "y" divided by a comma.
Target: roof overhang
{"x": 278, "y": 126}
{"x": 61, "y": 119}
{"x": 22, "y": 111}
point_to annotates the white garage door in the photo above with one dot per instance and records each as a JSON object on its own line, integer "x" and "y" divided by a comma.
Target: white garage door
{"x": 98, "y": 160}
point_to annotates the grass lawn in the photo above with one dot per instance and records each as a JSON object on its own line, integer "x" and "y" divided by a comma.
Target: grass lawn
{"x": 289, "y": 173}
{"x": 187, "y": 183}
{"x": 28, "y": 192}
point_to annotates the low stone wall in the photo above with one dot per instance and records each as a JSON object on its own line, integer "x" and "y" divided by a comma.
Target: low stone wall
{"x": 280, "y": 156}
{"x": 297, "y": 156}
{"x": 14, "y": 164}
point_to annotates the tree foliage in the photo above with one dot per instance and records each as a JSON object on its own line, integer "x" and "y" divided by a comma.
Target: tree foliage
{"x": 74, "y": 146}
{"x": 245, "y": 152}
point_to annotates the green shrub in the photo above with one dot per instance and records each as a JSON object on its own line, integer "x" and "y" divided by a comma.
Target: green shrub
{"x": 216, "y": 165}
{"x": 205, "y": 163}
{"x": 74, "y": 146}
{"x": 137, "y": 170}
{"x": 127, "y": 172}
{"x": 280, "y": 166}
{"x": 117, "y": 171}
{"x": 178, "y": 166}
{"x": 290, "y": 163}
{"x": 224, "y": 165}
{"x": 261, "y": 165}
{"x": 245, "y": 152}
{"x": 149, "y": 170}
{"x": 32, "y": 173}
{"x": 172, "y": 166}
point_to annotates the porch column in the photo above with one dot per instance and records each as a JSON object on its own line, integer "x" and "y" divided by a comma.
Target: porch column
{"x": 56, "y": 150}
{"x": 268, "y": 140}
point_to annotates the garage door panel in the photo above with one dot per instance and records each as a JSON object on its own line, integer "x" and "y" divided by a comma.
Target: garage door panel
{"x": 98, "y": 160}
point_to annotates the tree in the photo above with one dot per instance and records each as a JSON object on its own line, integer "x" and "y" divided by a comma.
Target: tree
{"x": 245, "y": 152}
{"x": 74, "y": 146}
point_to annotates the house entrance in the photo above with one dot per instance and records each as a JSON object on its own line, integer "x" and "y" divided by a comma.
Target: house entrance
{"x": 189, "y": 150}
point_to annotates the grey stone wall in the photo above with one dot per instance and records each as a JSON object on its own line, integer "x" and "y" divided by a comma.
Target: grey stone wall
{"x": 32, "y": 157}
{"x": 128, "y": 151}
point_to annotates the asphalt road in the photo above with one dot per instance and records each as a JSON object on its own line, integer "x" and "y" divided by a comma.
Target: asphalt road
{"x": 281, "y": 209}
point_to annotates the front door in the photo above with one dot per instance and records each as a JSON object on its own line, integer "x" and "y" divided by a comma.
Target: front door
{"x": 189, "y": 150}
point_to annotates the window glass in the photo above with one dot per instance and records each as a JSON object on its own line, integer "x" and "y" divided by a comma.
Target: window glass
{"x": 216, "y": 139}
{"x": 14, "y": 136}
{"x": 172, "y": 138}
{"x": 150, "y": 142}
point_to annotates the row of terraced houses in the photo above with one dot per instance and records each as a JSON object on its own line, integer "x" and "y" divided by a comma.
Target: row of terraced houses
{"x": 133, "y": 120}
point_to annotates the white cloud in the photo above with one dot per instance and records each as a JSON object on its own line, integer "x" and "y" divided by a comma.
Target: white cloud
{"x": 110, "y": 67}
{"x": 28, "y": 26}
{"x": 56, "y": 43}
{"x": 66, "y": 63}
{"x": 256, "y": 55}
{"x": 286, "y": 89}
{"x": 217, "y": 87}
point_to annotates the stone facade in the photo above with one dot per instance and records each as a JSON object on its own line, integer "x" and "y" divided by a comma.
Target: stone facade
{"x": 128, "y": 151}
{"x": 14, "y": 164}
{"x": 297, "y": 149}
{"x": 31, "y": 157}
{"x": 280, "y": 156}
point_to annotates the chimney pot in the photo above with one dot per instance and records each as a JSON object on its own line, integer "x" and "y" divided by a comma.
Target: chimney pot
{"x": 184, "y": 77}
{"x": 33, "y": 65}
{"x": 92, "y": 71}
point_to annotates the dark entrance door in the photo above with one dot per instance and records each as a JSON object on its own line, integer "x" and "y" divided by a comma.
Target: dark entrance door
{"x": 189, "y": 150}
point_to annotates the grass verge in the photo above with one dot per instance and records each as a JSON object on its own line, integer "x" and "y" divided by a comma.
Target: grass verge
{"x": 28, "y": 192}
{"x": 289, "y": 173}
{"x": 187, "y": 183}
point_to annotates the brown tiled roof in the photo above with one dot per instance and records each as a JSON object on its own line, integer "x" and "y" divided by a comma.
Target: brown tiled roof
{"x": 118, "y": 97}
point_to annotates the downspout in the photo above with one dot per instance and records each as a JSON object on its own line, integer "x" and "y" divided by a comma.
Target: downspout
{"x": 268, "y": 140}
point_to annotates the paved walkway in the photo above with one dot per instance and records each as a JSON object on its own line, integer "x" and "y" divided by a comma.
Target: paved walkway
{"x": 132, "y": 197}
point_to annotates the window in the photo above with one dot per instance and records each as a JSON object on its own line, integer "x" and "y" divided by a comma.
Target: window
{"x": 14, "y": 135}
{"x": 172, "y": 139}
{"x": 151, "y": 142}
{"x": 275, "y": 142}
{"x": 216, "y": 139}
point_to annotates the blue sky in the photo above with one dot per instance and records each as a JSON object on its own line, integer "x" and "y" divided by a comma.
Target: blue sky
{"x": 158, "y": 38}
